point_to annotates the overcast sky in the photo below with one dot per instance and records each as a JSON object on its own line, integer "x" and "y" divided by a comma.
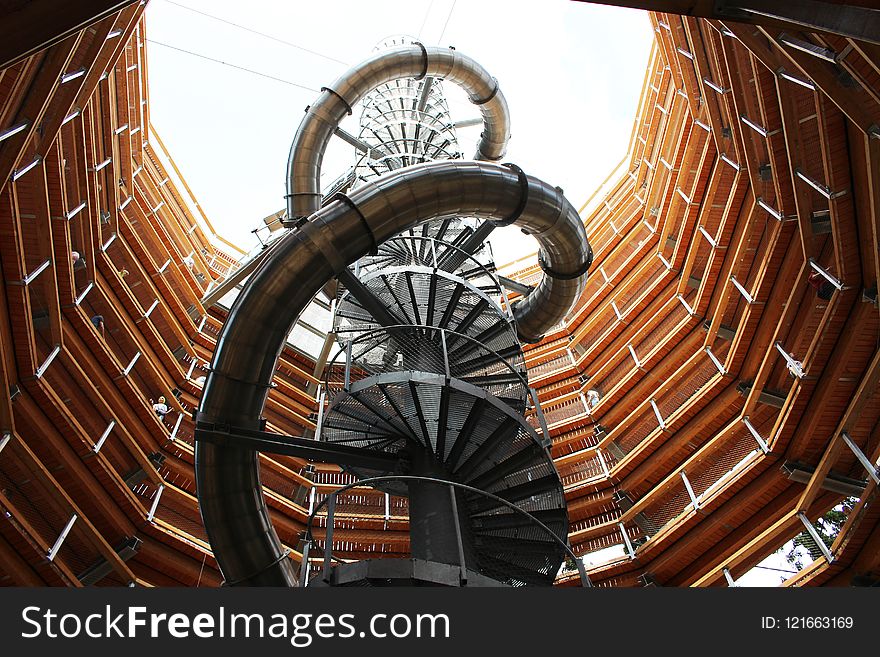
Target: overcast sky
{"x": 571, "y": 71}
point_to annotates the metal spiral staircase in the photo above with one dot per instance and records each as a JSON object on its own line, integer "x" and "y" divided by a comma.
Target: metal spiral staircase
{"x": 427, "y": 395}
{"x": 430, "y": 369}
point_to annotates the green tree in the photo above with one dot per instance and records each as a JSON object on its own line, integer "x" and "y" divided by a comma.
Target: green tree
{"x": 827, "y": 527}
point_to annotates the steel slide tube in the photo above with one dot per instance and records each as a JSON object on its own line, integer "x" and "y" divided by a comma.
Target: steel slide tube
{"x": 335, "y": 102}
{"x": 230, "y": 496}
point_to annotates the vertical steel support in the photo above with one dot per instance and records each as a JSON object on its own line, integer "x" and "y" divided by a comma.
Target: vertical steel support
{"x": 860, "y": 455}
{"x": 42, "y": 368}
{"x": 745, "y": 294}
{"x": 687, "y": 307}
{"x": 155, "y": 505}
{"x": 761, "y": 442}
{"x": 104, "y": 436}
{"x": 347, "y": 384}
{"x": 508, "y": 309}
{"x": 434, "y": 252}
{"x": 304, "y": 565}
{"x": 541, "y": 419}
{"x": 319, "y": 425}
{"x": 176, "y": 426}
{"x": 716, "y": 362}
{"x": 629, "y": 547}
{"x": 462, "y": 563}
{"x": 708, "y": 237}
{"x": 728, "y": 576}
{"x": 602, "y": 463}
{"x": 60, "y": 540}
{"x": 635, "y": 357}
{"x": 794, "y": 366}
{"x": 690, "y": 490}
{"x": 828, "y": 277}
{"x": 328, "y": 538}
{"x": 815, "y": 536}
{"x": 582, "y": 573}
{"x": 425, "y": 92}
{"x": 83, "y": 294}
{"x": 657, "y": 413}
{"x": 130, "y": 366}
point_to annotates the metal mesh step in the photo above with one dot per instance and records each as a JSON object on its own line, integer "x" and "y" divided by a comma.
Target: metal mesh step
{"x": 412, "y": 348}
{"x": 423, "y": 296}
{"x": 418, "y": 248}
{"x": 405, "y": 122}
{"x": 468, "y": 430}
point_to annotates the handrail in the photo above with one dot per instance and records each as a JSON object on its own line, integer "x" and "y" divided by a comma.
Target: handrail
{"x": 468, "y": 256}
{"x": 328, "y": 548}
{"x": 363, "y": 337}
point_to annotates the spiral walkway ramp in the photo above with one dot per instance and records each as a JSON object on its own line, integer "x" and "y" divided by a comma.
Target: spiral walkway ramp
{"x": 711, "y": 396}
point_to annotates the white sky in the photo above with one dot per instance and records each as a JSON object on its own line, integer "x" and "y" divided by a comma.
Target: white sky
{"x": 571, "y": 71}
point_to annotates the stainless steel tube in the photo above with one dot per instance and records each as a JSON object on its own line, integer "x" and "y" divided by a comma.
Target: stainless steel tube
{"x": 230, "y": 497}
{"x": 335, "y": 102}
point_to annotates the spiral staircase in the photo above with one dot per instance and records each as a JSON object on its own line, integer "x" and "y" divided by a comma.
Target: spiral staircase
{"x": 428, "y": 393}
{"x": 430, "y": 369}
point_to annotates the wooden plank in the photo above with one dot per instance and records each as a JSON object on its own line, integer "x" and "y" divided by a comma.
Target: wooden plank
{"x": 33, "y": 537}
{"x": 62, "y": 500}
{"x": 18, "y": 569}
{"x": 854, "y": 102}
{"x": 866, "y": 392}
{"x": 32, "y": 26}
{"x": 38, "y": 98}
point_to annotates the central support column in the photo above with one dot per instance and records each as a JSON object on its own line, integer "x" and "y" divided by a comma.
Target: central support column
{"x": 432, "y": 517}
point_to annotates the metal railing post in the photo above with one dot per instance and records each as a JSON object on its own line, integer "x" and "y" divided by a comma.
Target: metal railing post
{"x": 761, "y": 442}
{"x": 816, "y": 538}
{"x": 728, "y": 576}
{"x": 629, "y": 547}
{"x": 660, "y": 420}
{"x": 100, "y": 443}
{"x": 347, "y": 383}
{"x": 328, "y": 538}
{"x": 794, "y": 366}
{"x": 60, "y": 540}
{"x": 690, "y": 490}
{"x": 461, "y": 560}
{"x": 603, "y": 463}
{"x": 319, "y": 424}
{"x": 445, "y": 352}
{"x": 860, "y": 455}
{"x": 539, "y": 413}
{"x": 155, "y": 505}
{"x": 304, "y": 564}
{"x": 582, "y": 572}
